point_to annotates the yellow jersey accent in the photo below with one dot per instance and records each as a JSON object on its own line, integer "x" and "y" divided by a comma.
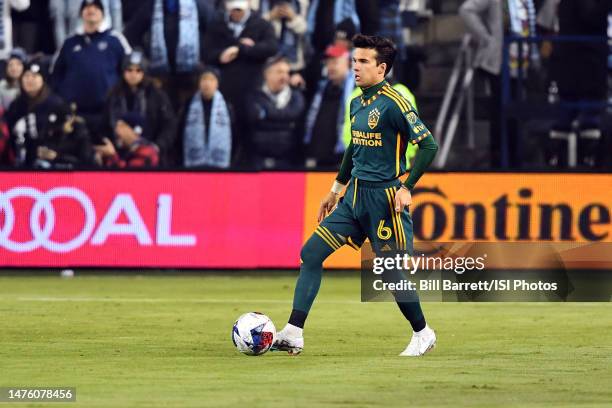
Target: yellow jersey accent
{"x": 397, "y": 155}
{"x": 400, "y": 97}
{"x": 320, "y": 234}
{"x": 400, "y": 226}
{"x": 399, "y": 103}
{"x": 331, "y": 236}
{"x": 352, "y": 244}
{"x": 390, "y": 200}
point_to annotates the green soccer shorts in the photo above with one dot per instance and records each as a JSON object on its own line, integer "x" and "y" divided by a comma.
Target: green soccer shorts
{"x": 367, "y": 210}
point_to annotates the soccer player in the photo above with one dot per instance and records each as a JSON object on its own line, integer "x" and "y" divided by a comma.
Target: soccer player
{"x": 375, "y": 204}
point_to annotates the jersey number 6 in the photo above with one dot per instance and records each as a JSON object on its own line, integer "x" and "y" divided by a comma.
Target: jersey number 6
{"x": 383, "y": 232}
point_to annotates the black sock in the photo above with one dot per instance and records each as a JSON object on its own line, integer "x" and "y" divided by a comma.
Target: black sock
{"x": 298, "y": 318}
{"x": 418, "y": 325}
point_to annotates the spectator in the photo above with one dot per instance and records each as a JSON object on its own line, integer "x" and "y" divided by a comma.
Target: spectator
{"x": 329, "y": 22}
{"x": 66, "y": 16}
{"x": 6, "y": 24}
{"x": 345, "y": 31}
{"x": 391, "y": 27}
{"x": 30, "y": 27}
{"x": 207, "y": 125}
{"x": 130, "y": 9}
{"x": 489, "y": 21}
{"x": 7, "y": 157}
{"x": 325, "y": 118}
{"x": 581, "y": 73}
{"x": 10, "y": 87}
{"x": 325, "y": 16}
{"x": 175, "y": 31}
{"x": 133, "y": 148}
{"x": 548, "y": 16}
{"x": 28, "y": 114}
{"x": 288, "y": 17}
{"x": 65, "y": 143}
{"x": 135, "y": 92}
{"x": 240, "y": 42}
{"x": 273, "y": 112}
{"x": 89, "y": 65}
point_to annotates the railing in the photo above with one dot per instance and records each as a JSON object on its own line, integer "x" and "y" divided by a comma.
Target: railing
{"x": 517, "y": 106}
{"x": 446, "y": 127}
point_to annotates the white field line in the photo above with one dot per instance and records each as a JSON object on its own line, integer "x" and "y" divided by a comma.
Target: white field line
{"x": 162, "y": 300}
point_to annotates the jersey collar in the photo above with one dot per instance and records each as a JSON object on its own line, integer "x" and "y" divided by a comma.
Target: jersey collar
{"x": 370, "y": 94}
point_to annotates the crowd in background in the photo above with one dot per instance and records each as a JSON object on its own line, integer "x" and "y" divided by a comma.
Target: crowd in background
{"x": 257, "y": 84}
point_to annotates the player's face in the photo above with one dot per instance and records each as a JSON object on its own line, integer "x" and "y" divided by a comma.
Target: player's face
{"x": 367, "y": 71}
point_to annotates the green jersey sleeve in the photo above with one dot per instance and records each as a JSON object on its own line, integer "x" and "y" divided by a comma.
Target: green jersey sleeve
{"x": 344, "y": 175}
{"x": 410, "y": 125}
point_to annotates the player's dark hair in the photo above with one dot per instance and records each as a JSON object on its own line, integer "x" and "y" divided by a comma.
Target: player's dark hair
{"x": 385, "y": 49}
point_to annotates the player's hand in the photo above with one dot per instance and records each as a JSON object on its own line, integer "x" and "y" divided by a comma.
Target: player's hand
{"x": 403, "y": 198}
{"x": 327, "y": 205}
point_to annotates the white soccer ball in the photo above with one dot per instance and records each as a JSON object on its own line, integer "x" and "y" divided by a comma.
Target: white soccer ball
{"x": 253, "y": 334}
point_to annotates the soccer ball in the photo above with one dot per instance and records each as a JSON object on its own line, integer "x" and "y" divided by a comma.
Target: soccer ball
{"x": 253, "y": 333}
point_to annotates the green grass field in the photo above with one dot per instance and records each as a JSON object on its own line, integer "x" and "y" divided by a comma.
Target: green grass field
{"x": 165, "y": 342}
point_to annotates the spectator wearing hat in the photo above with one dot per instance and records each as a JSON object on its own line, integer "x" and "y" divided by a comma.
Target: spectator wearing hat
{"x": 6, "y": 24}
{"x": 325, "y": 117}
{"x": 89, "y": 65}
{"x": 206, "y": 125}
{"x": 66, "y": 17}
{"x": 133, "y": 147}
{"x": 274, "y": 110}
{"x": 28, "y": 114}
{"x": 65, "y": 143}
{"x": 172, "y": 33}
{"x": 9, "y": 85}
{"x": 240, "y": 42}
{"x": 136, "y": 92}
{"x": 344, "y": 32}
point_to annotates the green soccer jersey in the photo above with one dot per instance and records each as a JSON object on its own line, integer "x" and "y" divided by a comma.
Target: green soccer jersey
{"x": 382, "y": 124}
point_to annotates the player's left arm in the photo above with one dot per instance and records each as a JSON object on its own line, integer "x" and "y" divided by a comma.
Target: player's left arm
{"x": 417, "y": 133}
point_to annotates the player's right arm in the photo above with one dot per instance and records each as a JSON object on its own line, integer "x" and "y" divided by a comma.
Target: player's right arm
{"x": 344, "y": 175}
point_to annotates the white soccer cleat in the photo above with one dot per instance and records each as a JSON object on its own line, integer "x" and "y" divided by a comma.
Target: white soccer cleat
{"x": 285, "y": 342}
{"x": 421, "y": 343}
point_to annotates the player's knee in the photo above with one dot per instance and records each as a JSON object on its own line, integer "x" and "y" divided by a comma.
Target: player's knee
{"x": 314, "y": 252}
